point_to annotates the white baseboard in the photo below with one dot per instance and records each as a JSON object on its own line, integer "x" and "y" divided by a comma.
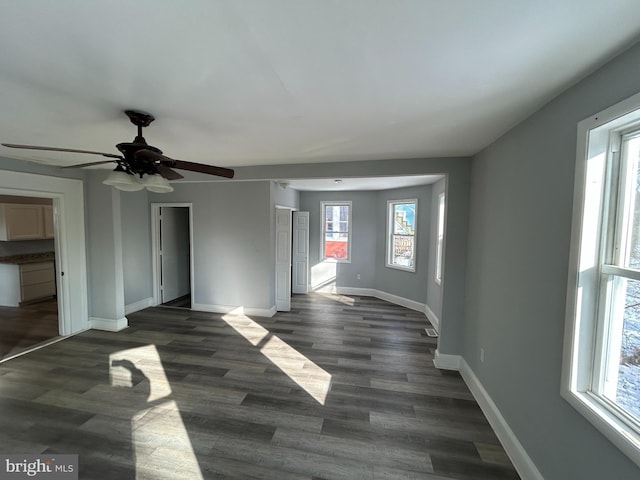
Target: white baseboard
{"x": 405, "y": 302}
{"x": 139, "y": 305}
{"x": 256, "y": 312}
{"x": 516, "y": 452}
{"x": 108, "y": 324}
{"x": 362, "y": 292}
{"x": 435, "y": 321}
{"x": 372, "y": 292}
{"x": 445, "y": 361}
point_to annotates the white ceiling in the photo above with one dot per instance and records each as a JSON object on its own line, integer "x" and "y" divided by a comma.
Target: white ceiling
{"x": 255, "y": 82}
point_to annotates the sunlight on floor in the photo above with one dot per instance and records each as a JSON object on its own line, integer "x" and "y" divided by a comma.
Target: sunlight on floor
{"x": 309, "y": 376}
{"x": 159, "y": 437}
{"x": 337, "y": 297}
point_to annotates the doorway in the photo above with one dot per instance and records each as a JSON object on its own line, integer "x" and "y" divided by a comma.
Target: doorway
{"x": 292, "y": 255}
{"x": 28, "y": 298}
{"x": 173, "y": 263}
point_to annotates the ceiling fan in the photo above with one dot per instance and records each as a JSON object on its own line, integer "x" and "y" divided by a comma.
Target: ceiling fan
{"x": 140, "y": 165}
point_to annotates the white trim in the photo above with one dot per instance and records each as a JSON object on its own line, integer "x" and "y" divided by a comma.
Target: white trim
{"x": 108, "y": 324}
{"x": 253, "y": 311}
{"x": 516, "y": 452}
{"x": 155, "y": 247}
{"x": 444, "y": 361}
{"x": 324, "y": 204}
{"x": 390, "y": 223}
{"x": 596, "y": 139}
{"x": 139, "y": 305}
{"x": 405, "y": 302}
{"x": 372, "y": 292}
{"x": 440, "y": 218}
{"x": 70, "y": 251}
{"x": 435, "y": 321}
{"x": 363, "y": 292}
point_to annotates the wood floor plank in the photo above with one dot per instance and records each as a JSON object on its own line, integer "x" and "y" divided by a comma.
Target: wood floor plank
{"x": 340, "y": 387}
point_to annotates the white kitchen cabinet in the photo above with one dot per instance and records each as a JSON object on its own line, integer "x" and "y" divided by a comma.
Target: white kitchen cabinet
{"x": 37, "y": 280}
{"x": 26, "y": 282}
{"x": 25, "y": 222}
{"x": 47, "y": 218}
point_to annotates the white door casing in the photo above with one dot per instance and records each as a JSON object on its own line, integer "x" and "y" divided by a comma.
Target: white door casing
{"x": 174, "y": 253}
{"x": 300, "y": 270}
{"x": 283, "y": 259}
{"x": 155, "y": 248}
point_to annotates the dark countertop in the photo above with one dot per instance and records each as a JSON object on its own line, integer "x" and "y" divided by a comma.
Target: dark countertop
{"x": 29, "y": 258}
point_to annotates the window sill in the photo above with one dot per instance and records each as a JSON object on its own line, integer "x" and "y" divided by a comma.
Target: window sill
{"x": 606, "y": 421}
{"x": 404, "y": 269}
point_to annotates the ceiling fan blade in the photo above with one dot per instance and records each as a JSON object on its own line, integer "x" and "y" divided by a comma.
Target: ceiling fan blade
{"x": 150, "y": 155}
{"x": 91, "y": 164}
{"x": 167, "y": 173}
{"x": 199, "y": 167}
{"x": 54, "y": 149}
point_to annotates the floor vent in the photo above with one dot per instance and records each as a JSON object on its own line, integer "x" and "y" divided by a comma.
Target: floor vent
{"x": 431, "y": 332}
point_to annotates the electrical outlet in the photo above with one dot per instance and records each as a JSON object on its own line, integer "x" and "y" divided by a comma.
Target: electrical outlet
{"x": 358, "y": 276}
{"x": 482, "y": 355}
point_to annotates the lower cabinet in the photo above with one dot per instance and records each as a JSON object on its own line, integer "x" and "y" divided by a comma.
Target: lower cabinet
{"x": 26, "y": 282}
{"x": 37, "y": 280}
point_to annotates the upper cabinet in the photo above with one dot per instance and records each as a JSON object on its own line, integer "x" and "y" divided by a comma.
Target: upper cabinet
{"x": 25, "y": 222}
{"x": 47, "y": 217}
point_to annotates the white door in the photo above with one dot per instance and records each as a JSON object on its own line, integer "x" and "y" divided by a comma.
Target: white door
{"x": 175, "y": 253}
{"x": 300, "y": 271}
{"x": 283, "y": 259}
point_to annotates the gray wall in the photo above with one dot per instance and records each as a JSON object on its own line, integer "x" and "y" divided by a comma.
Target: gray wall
{"x": 368, "y": 254}
{"x": 231, "y": 241}
{"x": 434, "y": 290}
{"x": 411, "y": 285}
{"x": 457, "y": 170}
{"x": 519, "y": 233}
{"x": 136, "y": 246}
{"x": 363, "y": 236}
{"x": 104, "y": 248}
{"x": 284, "y": 197}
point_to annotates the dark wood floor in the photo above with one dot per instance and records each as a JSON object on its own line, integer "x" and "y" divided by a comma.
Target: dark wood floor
{"x": 180, "y": 302}
{"x": 338, "y": 388}
{"x": 23, "y": 327}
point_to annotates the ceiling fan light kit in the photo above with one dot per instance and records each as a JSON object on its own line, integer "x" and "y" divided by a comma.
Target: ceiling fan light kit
{"x": 139, "y": 159}
{"x": 156, "y": 183}
{"x": 123, "y": 181}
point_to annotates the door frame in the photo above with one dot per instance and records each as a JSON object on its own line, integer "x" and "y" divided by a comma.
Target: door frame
{"x": 67, "y": 195}
{"x": 155, "y": 247}
{"x": 283, "y": 307}
{"x": 295, "y": 221}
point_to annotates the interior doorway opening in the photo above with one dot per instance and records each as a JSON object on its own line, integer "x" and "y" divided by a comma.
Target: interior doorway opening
{"x": 29, "y": 309}
{"x": 173, "y": 259}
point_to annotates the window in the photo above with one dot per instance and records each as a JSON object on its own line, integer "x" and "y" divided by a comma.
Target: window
{"x": 601, "y": 370}
{"x": 440, "y": 239}
{"x": 401, "y": 234}
{"x": 336, "y": 231}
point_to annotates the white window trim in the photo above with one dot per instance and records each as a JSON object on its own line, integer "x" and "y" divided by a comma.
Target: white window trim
{"x": 583, "y": 281}
{"x": 441, "y": 216}
{"x": 323, "y": 204}
{"x": 389, "y": 245}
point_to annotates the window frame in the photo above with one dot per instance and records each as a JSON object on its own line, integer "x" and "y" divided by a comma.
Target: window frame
{"x": 441, "y": 208}
{"x": 596, "y": 189}
{"x": 389, "y": 238}
{"x": 323, "y": 212}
